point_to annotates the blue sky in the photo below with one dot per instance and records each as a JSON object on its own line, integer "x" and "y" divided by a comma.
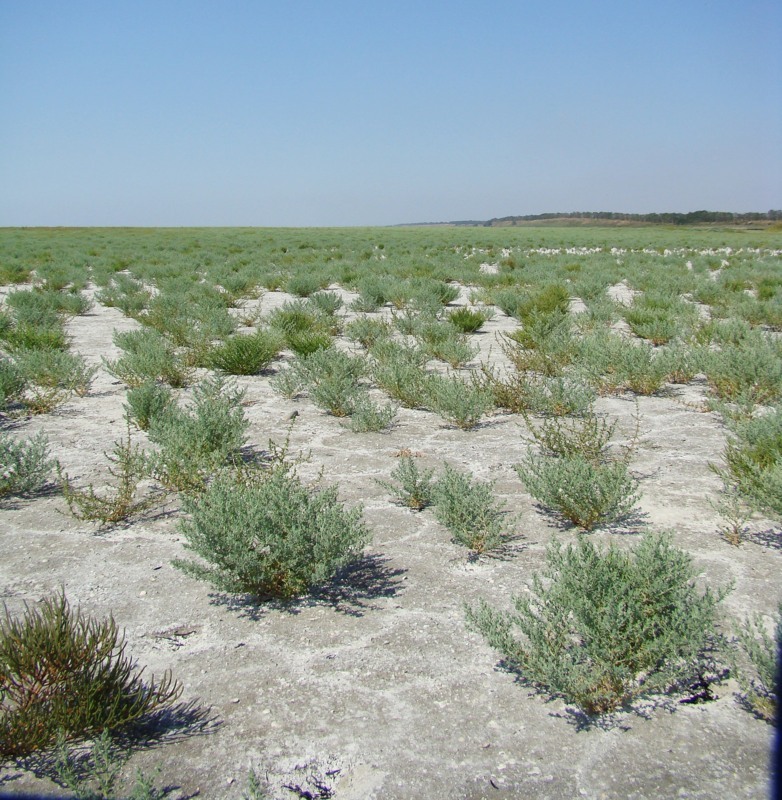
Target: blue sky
{"x": 366, "y": 113}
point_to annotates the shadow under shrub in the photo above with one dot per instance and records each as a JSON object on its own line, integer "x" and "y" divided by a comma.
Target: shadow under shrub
{"x": 264, "y": 533}
{"x": 64, "y": 674}
{"x": 601, "y": 628}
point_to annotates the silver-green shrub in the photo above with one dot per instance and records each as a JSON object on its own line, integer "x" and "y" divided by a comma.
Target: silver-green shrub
{"x": 469, "y": 510}
{"x": 267, "y": 534}
{"x": 602, "y": 628}
{"x": 25, "y": 464}
{"x": 194, "y": 443}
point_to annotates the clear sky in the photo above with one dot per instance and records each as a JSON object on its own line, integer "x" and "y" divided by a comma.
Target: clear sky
{"x": 361, "y": 112}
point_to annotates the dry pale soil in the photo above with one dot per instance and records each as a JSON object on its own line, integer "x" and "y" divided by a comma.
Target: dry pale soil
{"x": 374, "y": 687}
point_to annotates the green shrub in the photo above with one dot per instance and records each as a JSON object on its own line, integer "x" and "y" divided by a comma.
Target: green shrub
{"x": 579, "y": 490}
{"x": 194, "y": 443}
{"x": 367, "y": 417}
{"x": 749, "y": 373}
{"x": 147, "y": 402}
{"x": 461, "y": 403}
{"x": 469, "y": 510}
{"x": 62, "y": 673}
{"x": 557, "y": 396}
{"x": 268, "y": 535}
{"x": 600, "y": 629}
{"x": 398, "y": 370}
{"x": 246, "y": 354}
{"x": 148, "y": 356}
{"x": 331, "y": 378}
{"x": 468, "y": 320}
{"x": 33, "y": 336}
{"x": 305, "y": 343}
{"x": 753, "y": 458}
{"x": 660, "y": 317}
{"x": 327, "y": 303}
{"x": 12, "y": 384}
{"x": 303, "y": 284}
{"x": 588, "y": 436}
{"x": 444, "y": 342}
{"x": 367, "y": 331}
{"x": 414, "y": 487}
{"x": 372, "y": 293}
{"x": 758, "y": 677}
{"x": 25, "y": 464}
{"x": 56, "y": 369}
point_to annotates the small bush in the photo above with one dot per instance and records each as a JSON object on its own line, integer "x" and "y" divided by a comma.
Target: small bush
{"x": 327, "y": 303}
{"x": 128, "y": 466}
{"x": 370, "y": 418}
{"x": 461, "y": 403}
{"x": 305, "y": 343}
{"x": 331, "y": 378}
{"x": 588, "y": 436}
{"x": 414, "y": 487}
{"x": 469, "y": 510}
{"x": 467, "y": 320}
{"x": 64, "y": 673}
{"x": 753, "y": 457}
{"x": 245, "y": 354}
{"x": 398, "y": 370}
{"x": 147, "y": 402}
{"x": 558, "y": 396}
{"x": 580, "y": 491}
{"x": 749, "y": 373}
{"x": 148, "y": 356}
{"x": 12, "y": 384}
{"x": 194, "y": 443}
{"x": 25, "y": 464}
{"x": 600, "y": 629}
{"x": 367, "y": 331}
{"x": 56, "y": 369}
{"x": 268, "y": 535}
{"x": 758, "y": 678}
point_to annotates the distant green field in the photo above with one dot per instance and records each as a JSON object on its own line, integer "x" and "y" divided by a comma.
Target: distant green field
{"x": 342, "y": 255}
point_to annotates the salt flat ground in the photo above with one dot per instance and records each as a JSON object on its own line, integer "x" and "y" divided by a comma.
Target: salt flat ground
{"x": 380, "y": 689}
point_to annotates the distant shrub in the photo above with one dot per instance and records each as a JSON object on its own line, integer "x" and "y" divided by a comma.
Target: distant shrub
{"x": 25, "y": 464}
{"x": 469, "y": 510}
{"x": 444, "y": 342}
{"x": 602, "y": 628}
{"x": 305, "y": 343}
{"x": 459, "y": 402}
{"x": 327, "y": 303}
{"x": 303, "y": 284}
{"x": 148, "y": 356}
{"x": 267, "y": 534}
{"x": 468, "y": 320}
{"x": 56, "y": 369}
{"x": 246, "y": 354}
{"x": 367, "y": 417}
{"x": 62, "y": 673}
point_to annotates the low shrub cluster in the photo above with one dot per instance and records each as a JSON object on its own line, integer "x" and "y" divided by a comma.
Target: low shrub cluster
{"x": 602, "y": 628}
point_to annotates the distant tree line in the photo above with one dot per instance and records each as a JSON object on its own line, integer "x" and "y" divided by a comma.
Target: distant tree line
{"x": 665, "y": 218}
